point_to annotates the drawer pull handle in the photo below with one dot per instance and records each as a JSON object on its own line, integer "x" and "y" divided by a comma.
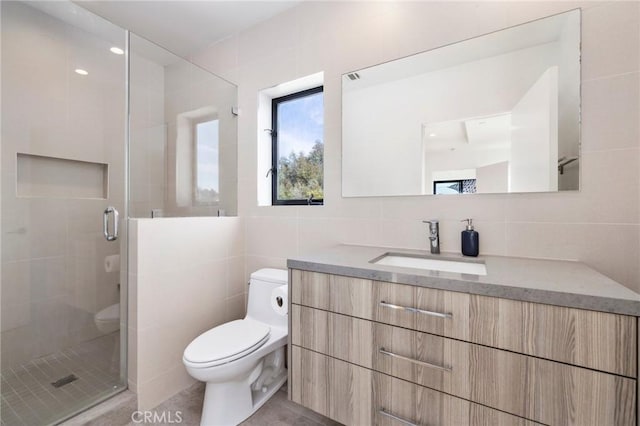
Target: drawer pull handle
{"x": 415, "y": 310}
{"x": 415, "y": 361}
{"x": 394, "y": 417}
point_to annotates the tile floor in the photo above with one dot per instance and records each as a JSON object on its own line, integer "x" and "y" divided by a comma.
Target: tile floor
{"x": 278, "y": 411}
{"x": 29, "y": 399}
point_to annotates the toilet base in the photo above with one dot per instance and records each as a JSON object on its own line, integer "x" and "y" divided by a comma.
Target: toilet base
{"x": 228, "y": 404}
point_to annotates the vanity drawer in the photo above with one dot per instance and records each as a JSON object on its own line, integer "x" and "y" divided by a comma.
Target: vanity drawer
{"x": 598, "y": 340}
{"x": 445, "y": 313}
{"x": 333, "y": 388}
{"x": 397, "y": 402}
{"x": 340, "y": 336}
{"x": 545, "y": 391}
{"x": 425, "y": 359}
{"x": 345, "y": 295}
{"x": 479, "y": 415}
{"x": 549, "y": 392}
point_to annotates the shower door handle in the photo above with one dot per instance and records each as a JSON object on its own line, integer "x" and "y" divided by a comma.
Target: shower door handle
{"x": 105, "y": 223}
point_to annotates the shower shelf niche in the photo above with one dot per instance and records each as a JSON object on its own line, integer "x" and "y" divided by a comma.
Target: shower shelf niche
{"x": 52, "y": 177}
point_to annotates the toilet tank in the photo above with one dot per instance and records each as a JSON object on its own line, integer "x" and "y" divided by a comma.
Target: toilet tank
{"x": 261, "y": 285}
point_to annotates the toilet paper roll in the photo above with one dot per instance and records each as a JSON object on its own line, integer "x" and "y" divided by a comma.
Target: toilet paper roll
{"x": 279, "y": 301}
{"x": 112, "y": 263}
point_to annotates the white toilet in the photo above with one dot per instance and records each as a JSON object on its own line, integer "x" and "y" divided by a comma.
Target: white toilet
{"x": 242, "y": 361}
{"x": 108, "y": 320}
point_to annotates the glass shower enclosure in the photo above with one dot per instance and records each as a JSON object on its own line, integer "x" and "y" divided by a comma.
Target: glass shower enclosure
{"x": 64, "y": 166}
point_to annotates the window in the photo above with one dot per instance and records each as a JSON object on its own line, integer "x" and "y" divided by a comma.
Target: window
{"x": 297, "y": 132}
{"x": 207, "y": 187}
{"x": 465, "y": 186}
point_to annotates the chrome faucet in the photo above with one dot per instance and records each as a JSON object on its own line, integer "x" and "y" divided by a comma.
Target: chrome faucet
{"x": 434, "y": 235}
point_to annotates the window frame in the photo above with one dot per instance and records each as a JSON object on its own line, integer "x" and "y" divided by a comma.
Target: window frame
{"x": 194, "y": 132}
{"x": 275, "y": 201}
{"x": 456, "y": 181}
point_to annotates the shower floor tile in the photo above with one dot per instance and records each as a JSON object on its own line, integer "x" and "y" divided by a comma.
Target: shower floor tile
{"x": 30, "y": 399}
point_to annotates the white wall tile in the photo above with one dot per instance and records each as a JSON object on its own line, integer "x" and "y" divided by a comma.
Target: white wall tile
{"x": 236, "y": 283}
{"x": 272, "y": 236}
{"x": 235, "y": 308}
{"x": 520, "y": 12}
{"x": 188, "y": 278}
{"x": 610, "y": 111}
{"x": 611, "y": 39}
{"x": 254, "y": 263}
{"x": 150, "y": 394}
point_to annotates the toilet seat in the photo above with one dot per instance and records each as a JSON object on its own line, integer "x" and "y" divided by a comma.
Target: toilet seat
{"x": 110, "y": 313}
{"x": 226, "y": 343}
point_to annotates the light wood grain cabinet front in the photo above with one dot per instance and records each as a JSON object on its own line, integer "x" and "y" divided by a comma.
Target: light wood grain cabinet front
{"x": 333, "y": 388}
{"x": 339, "y": 336}
{"x": 433, "y": 361}
{"x": 598, "y": 340}
{"x": 445, "y": 313}
{"x": 479, "y": 415}
{"x": 439, "y": 357}
{"x": 549, "y": 392}
{"x": 542, "y": 390}
{"x": 344, "y": 295}
{"x": 396, "y": 401}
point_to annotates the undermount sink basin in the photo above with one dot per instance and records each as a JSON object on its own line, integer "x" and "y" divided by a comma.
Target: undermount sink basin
{"x": 428, "y": 263}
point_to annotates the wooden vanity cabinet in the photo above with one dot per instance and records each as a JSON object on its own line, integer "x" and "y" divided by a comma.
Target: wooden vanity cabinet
{"x": 367, "y": 352}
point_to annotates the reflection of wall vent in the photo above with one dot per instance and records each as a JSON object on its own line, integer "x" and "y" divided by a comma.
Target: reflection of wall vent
{"x": 353, "y": 76}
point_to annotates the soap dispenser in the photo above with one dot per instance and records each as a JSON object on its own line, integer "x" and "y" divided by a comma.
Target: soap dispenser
{"x": 470, "y": 239}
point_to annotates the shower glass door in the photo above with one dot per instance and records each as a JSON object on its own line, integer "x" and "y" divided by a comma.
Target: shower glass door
{"x": 63, "y": 157}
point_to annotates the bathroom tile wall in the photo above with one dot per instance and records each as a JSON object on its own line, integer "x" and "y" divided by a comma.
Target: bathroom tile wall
{"x": 53, "y": 278}
{"x": 600, "y": 225}
{"x": 185, "y": 277}
{"x": 147, "y": 136}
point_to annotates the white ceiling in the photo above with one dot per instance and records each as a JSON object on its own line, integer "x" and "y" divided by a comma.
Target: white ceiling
{"x": 186, "y": 26}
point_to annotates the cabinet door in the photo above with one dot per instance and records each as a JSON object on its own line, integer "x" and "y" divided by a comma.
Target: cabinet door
{"x": 550, "y": 392}
{"x": 333, "y": 388}
{"x": 344, "y": 295}
{"x": 597, "y": 340}
{"x": 479, "y": 415}
{"x": 445, "y": 313}
{"x": 433, "y": 361}
{"x": 339, "y": 336}
{"x": 396, "y": 402}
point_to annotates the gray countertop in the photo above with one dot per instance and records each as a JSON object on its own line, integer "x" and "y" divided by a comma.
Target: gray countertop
{"x": 554, "y": 282}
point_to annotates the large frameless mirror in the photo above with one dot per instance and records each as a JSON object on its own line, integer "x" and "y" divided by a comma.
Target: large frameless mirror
{"x": 498, "y": 113}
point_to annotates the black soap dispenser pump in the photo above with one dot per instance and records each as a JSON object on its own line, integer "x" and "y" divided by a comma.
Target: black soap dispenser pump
{"x": 470, "y": 239}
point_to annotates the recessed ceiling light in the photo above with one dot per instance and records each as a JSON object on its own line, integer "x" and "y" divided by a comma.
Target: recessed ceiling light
{"x": 117, "y": 51}
{"x": 432, "y": 135}
{"x": 81, "y": 71}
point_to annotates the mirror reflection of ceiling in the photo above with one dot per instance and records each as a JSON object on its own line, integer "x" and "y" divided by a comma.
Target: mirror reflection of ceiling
{"x": 499, "y": 113}
{"x": 472, "y": 133}
{"x": 497, "y": 43}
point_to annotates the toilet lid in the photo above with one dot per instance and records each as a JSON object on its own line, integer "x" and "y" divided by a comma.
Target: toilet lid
{"x": 227, "y": 342}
